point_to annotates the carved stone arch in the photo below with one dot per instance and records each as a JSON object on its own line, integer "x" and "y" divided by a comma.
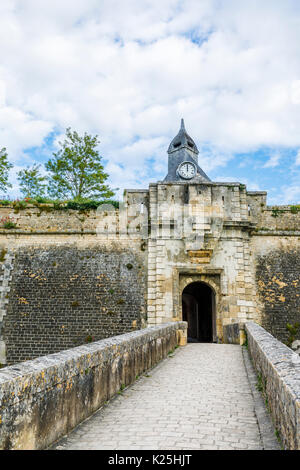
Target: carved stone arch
{"x": 200, "y": 278}
{"x": 213, "y": 281}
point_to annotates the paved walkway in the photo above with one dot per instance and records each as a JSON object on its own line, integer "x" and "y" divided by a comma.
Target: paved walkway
{"x": 200, "y": 398}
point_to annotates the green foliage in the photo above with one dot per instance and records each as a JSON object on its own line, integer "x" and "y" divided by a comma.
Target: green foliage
{"x": 89, "y": 339}
{"x": 42, "y": 200}
{"x": 293, "y": 331}
{"x": 59, "y": 206}
{"x": 295, "y": 209}
{"x": 276, "y": 212}
{"x": 48, "y": 205}
{"x": 5, "y": 166}
{"x": 32, "y": 183}
{"x": 86, "y": 205}
{"x": 19, "y": 205}
{"x": 76, "y": 170}
{"x": 2, "y": 255}
{"x": 259, "y": 384}
{"x": 171, "y": 352}
{"x": 7, "y": 222}
{"x": 278, "y": 437}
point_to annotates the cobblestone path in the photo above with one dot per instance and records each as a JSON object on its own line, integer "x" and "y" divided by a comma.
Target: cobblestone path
{"x": 199, "y": 398}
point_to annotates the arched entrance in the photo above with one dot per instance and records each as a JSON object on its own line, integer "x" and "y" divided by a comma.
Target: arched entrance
{"x": 198, "y": 309}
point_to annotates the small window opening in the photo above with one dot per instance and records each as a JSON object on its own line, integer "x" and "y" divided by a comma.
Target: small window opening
{"x": 177, "y": 145}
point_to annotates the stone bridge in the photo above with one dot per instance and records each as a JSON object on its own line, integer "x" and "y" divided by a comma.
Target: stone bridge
{"x": 147, "y": 390}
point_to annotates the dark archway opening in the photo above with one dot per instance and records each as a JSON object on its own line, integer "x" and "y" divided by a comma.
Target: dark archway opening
{"x": 198, "y": 310}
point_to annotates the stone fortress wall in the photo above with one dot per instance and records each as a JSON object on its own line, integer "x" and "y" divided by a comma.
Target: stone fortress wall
{"x": 63, "y": 284}
{"x": 70, "y": 277}
{"x": 229, "y": 250}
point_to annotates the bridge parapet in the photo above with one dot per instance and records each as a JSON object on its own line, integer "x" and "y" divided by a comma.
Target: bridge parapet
{"x": 278, "y": 369}
{"x": 42, "y": 399}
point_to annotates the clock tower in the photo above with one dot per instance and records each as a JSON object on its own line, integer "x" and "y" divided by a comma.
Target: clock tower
{"x": 183, "y": 159}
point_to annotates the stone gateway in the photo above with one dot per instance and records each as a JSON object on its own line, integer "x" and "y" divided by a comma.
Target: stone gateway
{"x": 211, "y": 253}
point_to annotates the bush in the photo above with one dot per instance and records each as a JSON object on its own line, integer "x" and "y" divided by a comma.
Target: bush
{"x": 293, "y": 331}
{"x": 77, "y": 205}
{"x": 295, "y": 209}
{"x": 276, "y": 212}
{"x": 19, "y": 205}
{"x": 89, "y": 205}
{"x": 7, "y": 222}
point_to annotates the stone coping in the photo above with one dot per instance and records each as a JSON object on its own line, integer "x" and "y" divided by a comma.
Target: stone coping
{"x": 278, "y": 369}
{"x": 43, "y": 399}
{"x": 64, "y": 364}
{"x": 270, "y": 233}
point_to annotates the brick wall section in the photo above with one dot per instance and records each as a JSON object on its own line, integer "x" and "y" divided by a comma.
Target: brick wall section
{"x": 278, "y": 286}
{"x": 61, "y": 297}
{"x": 43, "y": 399}
{"x": 278, "y": 368}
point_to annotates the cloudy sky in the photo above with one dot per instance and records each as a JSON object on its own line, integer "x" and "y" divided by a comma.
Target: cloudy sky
{"x": 129, "y": 70}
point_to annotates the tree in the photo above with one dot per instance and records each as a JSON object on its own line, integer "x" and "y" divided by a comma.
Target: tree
{"x": 5, "y": 166}
{"x": 76, "y": 170}
{"x": 32, "y": 183}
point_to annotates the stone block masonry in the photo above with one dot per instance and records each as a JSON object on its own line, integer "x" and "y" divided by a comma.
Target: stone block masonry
{"x": 75, "y": 275}
{"x": 278, "y": 286}
{"x": 64, "y": 296}
{"x": 41, "y": 400}
{"x": 7, "y": 259}
{"x": 278, "y": 369}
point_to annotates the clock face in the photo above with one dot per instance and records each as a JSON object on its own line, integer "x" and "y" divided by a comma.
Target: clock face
{"x": 187, "y": 170}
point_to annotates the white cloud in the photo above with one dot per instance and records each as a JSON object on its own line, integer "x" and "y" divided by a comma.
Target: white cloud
{"x": 273, "y": 161}
{"x": 289, "y": 195}
{"x": 297, "y": 161}
{"x": 129, "y": 71}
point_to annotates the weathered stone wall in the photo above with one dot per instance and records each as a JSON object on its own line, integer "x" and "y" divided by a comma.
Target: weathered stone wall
{"x": 280, "y": 218}
{"x": 225, "y": 248}
{"x": 278, "y": 368}
{"x": 214, "y": 250}
{"x": 46, "y": 218}
{"x": 6, "y": 265}
{"x": 43, "y": 399}
{"x": 233, "y": 333}
{"x": 64, "y": 296}
{"x": 277, "y": 261}
{"x": 276, "y": 218}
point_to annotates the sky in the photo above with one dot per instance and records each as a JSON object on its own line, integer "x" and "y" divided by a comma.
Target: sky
{"x": 129, "y": 70}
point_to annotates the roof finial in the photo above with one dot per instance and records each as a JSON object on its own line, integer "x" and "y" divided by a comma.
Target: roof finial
{"x": 182, "y": 124}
